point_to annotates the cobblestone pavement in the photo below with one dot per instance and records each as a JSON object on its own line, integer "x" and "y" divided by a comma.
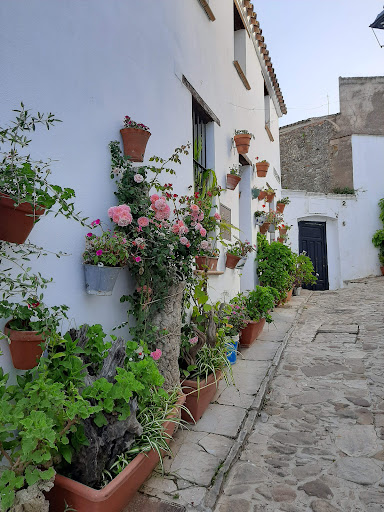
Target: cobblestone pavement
{"x": 318, "y": 444}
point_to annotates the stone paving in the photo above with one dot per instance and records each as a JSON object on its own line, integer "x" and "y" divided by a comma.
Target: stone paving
{"x": 204, "y": 452}
{"x": 318, "y": 444}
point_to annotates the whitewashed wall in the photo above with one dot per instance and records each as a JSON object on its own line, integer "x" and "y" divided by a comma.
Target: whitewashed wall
{"x": 91, "y": 63}
{"x": 350, "y": 221}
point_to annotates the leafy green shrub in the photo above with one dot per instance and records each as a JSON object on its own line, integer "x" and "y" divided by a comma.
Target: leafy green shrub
{"x": 275, "y": 265}
{"x": 258, "y": 302}
{"x": 304, "y": 273}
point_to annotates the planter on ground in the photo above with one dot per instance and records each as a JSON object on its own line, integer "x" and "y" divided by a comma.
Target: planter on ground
{"x": 262, "y": 169}
{"x": 280, "y": 207}
{"x": 198, "y": 397}
{"x": 203, "y": 262}
{"x": 232, "y": 181}
{"x": 242, "y": 141}
{"x": 264, "y": 227}
{"x": 231, "y": 260}
{"x": 16, "y": 223}
{"x": 251, "y": 332}
{"x": 289, "y": 296}
{"x": 114, "y": 496}
{"x": 100, "y": 280}
{"x": 25, "y": 347}
{"x": 135, "y": 142}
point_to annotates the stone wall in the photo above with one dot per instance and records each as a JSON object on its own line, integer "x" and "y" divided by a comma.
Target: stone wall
{"x": 316, "y": 154}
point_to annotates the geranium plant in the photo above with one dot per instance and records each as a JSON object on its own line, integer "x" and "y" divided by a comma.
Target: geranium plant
{"x": 239, "y": 248}
{"x": 130, "y": 123}
{"x": 284, "y": 200}
{"x": 110, "y": 249}
{"x": 236, "y": 317}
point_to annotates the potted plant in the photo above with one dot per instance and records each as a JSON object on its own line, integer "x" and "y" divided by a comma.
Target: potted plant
{"x": 262, "y": 168}
{"x": 262, "y": 195}
{"x": 258, "y": 304}
{"x": 237, "y": 251}
{"x": 281, "y": 204}
{"x": 104, "y": 257}
{"x": 378, "y": 237}
{"x": 30, "y": 325}
{"x": 270, "y": 194}
{"x": 135, "y": 137}
{"x": 242, "y": 140}
{"x": 268, "y": 221}
{"x": 304, "y": 273}
{"x": 236, "y": 318}
{"x": 283, "y": 229}
{"x": 203, "y": 356}
{"x": 207, "y": 257}
{"x": 26, "y": 193}
{"x": 233, "y": 178}
{"x": 275, "y": 266}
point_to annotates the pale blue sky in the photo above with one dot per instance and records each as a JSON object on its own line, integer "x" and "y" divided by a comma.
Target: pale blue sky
{"x": 312, "y": 43}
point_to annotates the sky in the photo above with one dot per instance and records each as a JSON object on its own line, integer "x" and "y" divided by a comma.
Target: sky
{"x": 312, "y": 43}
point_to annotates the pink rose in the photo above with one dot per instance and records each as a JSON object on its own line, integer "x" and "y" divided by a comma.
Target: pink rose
{"x": 194, "y": 340}
{"x": 203, "y": 232}
{"x": 154, "y": 198}
{"x": 184, "y": 240}
{"x": 217, "y": 216}
{"x": 156, "y": 354}
{"x": 175, "y": 229}
{"x": 201, "y": 216}
{"x": 204, "y": 245}
{"x": 143, "y": 222}
{"x": 195, "y": 208}
{"x": 198, "y": 226}
{"x": 138, "y": 178}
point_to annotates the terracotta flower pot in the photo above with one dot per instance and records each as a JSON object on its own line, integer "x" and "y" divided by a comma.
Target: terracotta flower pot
{"x": 382, "y": 270}
{"x": 262, "y": 195}
{"x": 117, "y": 494}
{"x": 270, "y": 197}
{"x": 232, "y": 260}
{"x": 280, "y": 207}
{"x": 282, "y": 231}
{"x": 206, "y": 261}
{"x": 232, "y": 181}
{"x": 242, "y": 141}
{"x": 16, "y": 223}
{"x": 251, "y": 332}
{"x": 199, "y": 397}
{"x": 135, "y": 142}
{"x": 264, "y": 227}
{"x": 289, "y": 296}
{"x": 262, "y": 169}
{"x": 25, "y": 348}
{"x": 280, "y": 239}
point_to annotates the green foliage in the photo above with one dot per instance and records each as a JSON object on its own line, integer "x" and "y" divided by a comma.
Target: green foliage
{"x": 344, "y": 190}
{"x": 25, "y": 180}
{"x": 258, "y": 302}
{"x": 284, "y": 200}
{"x": 275, "y": 265}
{"x": 378, "y": 237}
{"x": 110, "y": 249}
{"x": 36, "y": 418}
{"x": 304, "y": 273}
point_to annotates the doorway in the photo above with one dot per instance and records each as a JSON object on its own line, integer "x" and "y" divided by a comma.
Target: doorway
{"x": 313, "y": 240}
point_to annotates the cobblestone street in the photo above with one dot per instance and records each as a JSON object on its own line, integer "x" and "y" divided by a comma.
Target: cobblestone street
{"x": 318, "y": 444}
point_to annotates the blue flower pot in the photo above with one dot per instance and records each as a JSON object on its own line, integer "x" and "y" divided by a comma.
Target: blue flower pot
{"x": 232, "y": 351}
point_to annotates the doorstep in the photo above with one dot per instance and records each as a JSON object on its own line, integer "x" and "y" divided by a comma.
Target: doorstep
{"x": 203, "y": 453}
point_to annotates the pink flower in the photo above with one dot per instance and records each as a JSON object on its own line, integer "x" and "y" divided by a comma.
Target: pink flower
{"x": 217, "y": 216}
{"x": 137, "y": 259}
{"x": 204, "y": 245}
{"x": 195, "y": 208}
{"x": 121, "y": 214}
{"x": 89, "y": 235}
{"x": 203, "y": 232}
{"x": 99, "y": 252}
{"x": 194, "y": 340}
{"x": 188, "y": 245}
{"x": 175, "y": 229}
{"x": 183, "y": 230}
{"x": 95, "y": 222}
{"x": 184, "y": 240}
{"x": 201, "y": 216}
{"x": 143, "y": 222}
{"x": 156, "y": 354}
{"x": 154, "y": 198}
{"x": 198, "y": 226}
{"x": 138, "y": 178}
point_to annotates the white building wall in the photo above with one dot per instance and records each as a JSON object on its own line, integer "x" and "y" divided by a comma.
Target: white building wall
{"x": 91, "y": 63}
{"x": 351, "y": 221}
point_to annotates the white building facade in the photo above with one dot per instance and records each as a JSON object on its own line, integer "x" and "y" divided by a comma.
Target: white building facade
{"x": 93, "y": 62}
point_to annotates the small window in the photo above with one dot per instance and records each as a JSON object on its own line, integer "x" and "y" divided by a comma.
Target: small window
{"x": 267, "y": 106}
{"x": 200, "y": 120}
{"x": 240, "y": 45}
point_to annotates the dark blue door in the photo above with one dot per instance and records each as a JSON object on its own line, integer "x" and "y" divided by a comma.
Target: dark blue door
{"x": 313, "y": 240}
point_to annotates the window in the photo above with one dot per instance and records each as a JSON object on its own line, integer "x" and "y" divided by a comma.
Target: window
{"x": 240, "y": 44}
{"x": 267, "y": 113}
{"x": 200, "y": 120}
{"x": 225, "y": 213}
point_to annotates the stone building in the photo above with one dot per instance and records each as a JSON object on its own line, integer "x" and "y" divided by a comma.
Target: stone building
{"x": 332, "y": 170}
